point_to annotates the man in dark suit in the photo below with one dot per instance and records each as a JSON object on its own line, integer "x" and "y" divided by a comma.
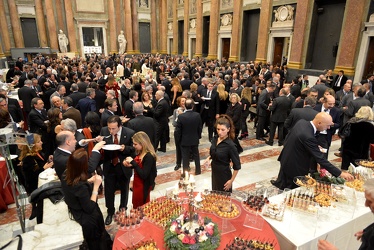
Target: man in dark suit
{"x": 186, "y": 82}
{"x": 66, "y": 143}
{"x": 70, "y": 112}
{"x": 143, "y": 123}
{"x": 321, "y": 87}
{"x": 325, "y": 137}
{"x": 312, "y": 92}
{"x": 160, "y": 115}
{"x": 188, "y": 133}
{"x": 26, "y": 94}
{"x": 263, "y": 111}
{"x": 65, "y": 83}
{"x": 279, "y": 109}
{"x": 300, "y": 146}
{"x": 115, "y": 173}
{"x": 75, "y": 95}
{"x": 110, "y": 109}
{"x": 339, "y": 81}
{"x": 357, "y": 103}
{"x": 369, "y": 95}
{"x": 47, "y": 93}
{"x": 38, "y": 117}
{"x": 166, "y": 83}
{"x": 127, "y": 71}
{"x": 341, "y": 93}
{"x": 133, "y": 97}
{"x": 306, "y": 113}
{"x": 13, "y": 106}
{"x": 125, "y": 91}
{"x": 208, "y": 108}
{"x": 87, "y": 104}
{"x": 100, "y": 97}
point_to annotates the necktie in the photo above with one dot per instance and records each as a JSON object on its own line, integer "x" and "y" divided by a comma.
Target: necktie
{"x": 325, "y": 110}
{"x": 208, "y": 94}
{"x": 115, "y": 154}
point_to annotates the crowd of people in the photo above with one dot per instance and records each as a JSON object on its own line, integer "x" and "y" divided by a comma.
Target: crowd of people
{"x": 77, "y": 106}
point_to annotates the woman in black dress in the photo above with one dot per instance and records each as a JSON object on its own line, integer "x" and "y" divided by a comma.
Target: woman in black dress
{"x": 222, "y": 152}
{"x": 81, "y": 197}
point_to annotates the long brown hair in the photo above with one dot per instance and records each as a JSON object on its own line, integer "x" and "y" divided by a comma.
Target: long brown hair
{"x": 54, "y": 118}
{"x": 228, "y": 123}
{"x": 77, "y": 167}
{"x": 26, "y": 151}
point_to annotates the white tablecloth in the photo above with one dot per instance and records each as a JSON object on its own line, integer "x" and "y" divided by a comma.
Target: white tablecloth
{"x": 302, "y": 231}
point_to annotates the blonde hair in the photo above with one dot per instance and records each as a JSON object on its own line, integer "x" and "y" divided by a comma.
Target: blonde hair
{"x": 222, "y": 93}
{"x": 175, "y": 82}
{"x": 193, "y": 87}
{"x": 365, "y": 112}
{"x": 247, "y": 94}
{"x": 26, "y": 150}
{"x": 143, "y": 139}
{"x": 236, "y": 95}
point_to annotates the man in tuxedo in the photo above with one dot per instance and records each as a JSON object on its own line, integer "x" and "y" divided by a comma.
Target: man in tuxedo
{"x": 279, "y": 109}
{"x": 186, "y": 82}
{"x": 339, "y": 81}
{"x": 188, "y": 133}
{"x": 115, "y": 173}
{"x": 341, "y": 93}
{"x": 26, "y": 94}
{"x": 70, "y": 112}
{"x": 306, "y": 113}
{"x": 110, "y": 109}
{"x": 208, "y": 109}
{"x": 66, "y": 143}
{"x": 263, "y": 111}
{"x": 38, "y": 117}
{"x": 325, "y": 137}
{"x": 133, "y": 97}
{"x": 87, "y": 104}
{"x": 161, "y": 114}
{"x": 127, "y": 71}
{"x": 300, "y": 146}
{"x": 143, "y": 123}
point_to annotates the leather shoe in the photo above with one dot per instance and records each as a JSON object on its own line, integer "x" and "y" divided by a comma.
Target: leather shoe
{"x": 274, "y": 183}
{"x": 161, "y": 150}
{"x": 338, "y": 154}
{"x": 260, "y": 139}
{"x": 269, "y": 143}
{"x": 109, "y": 219}
{"x": 177, "y": 167}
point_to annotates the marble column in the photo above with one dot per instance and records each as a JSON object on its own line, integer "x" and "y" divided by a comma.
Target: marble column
{"x": 352, "y": 28}
{"x": 71, "y": 26}
{"x": 5, "y": 38}
{"x": 51, "y": 24}
{"x": 213, "y": 29}
{"x": 236, "y": 29}
{"x": 118, "y": 16}
{"x": 302, "y": 17}
{"x": 112, "y": 28}
{"x": 40, "y": 22}
{"x": 199, "y": 28}
{"x": 60, "y": 19}
{"x": 263, "y": 34}
{"x": 128, "y": 27}
{"x": 154, "y": 26}
{"x": 163, "y": 26}
{"x": 16, "y": 25}
{"x": 174, "y": 50}
{"x": 135, "y": 26}
{"x": 186, "y": 27}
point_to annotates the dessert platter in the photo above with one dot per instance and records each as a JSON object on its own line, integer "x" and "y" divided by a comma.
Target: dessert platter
{"x": 240, "y": 243}
{"x": 129, "y": 219}
{"x": 254, "y": 203}
{"x": 143, "y": 245}
{"x": 365, "y": 163}
{"x": 160, "y": 211}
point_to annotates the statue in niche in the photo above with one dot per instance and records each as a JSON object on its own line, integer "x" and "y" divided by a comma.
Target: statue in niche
{"x": 226, "y": 3}
{"x": 193, "y": 6}
{"x": 122, "y": 42}
{"x": 170, "y": 9}
{"x": 181, "y": 1}
{"x": 143, "y": 3}
{"x": 63, "y": 42}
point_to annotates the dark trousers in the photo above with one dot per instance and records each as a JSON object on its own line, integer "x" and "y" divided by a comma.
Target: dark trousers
{"x": 273, "y": 127}
{"x": 323, "y": 142}
{"x": 161, "y": 135}
{"x": 178, "y": 152}
{"x": 244, "y": 126}
{"x": 209, "y": 122}
{"x": 186, "y": 151}
{"x": 262, "y": 124}
{"x": 113, "y": 179}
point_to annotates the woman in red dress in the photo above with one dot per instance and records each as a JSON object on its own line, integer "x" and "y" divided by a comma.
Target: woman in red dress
{"x": 144, "y": 165}
{"x": 112, "y": 84}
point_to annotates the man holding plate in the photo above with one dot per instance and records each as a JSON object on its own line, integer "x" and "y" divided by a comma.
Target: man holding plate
{"x": 118, "y": 147}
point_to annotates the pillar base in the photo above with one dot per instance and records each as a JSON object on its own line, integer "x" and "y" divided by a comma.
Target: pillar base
{"x": 294, "y": 65}
{"x": 212, "y": 56}
{"x": 163, "y": 52}
{"x": 113, "y": 51}
{"x": 185, "y": 54}
{"x": 263, "y": 60}
{"x": 154, "y": 51}
{"x": 233, "y": 59}
{"x": 136, "y": 51}
{"x": 2, "y": 55}
{"x": 350, "y": 71}
{"x": 198, "y": 55}
{"x": 174, "y": 52}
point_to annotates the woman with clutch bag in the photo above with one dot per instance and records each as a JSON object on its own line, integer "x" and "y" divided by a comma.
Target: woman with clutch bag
{"x": 144, "y": 165}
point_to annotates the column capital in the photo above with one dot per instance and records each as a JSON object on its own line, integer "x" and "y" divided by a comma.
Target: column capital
{"x": 350, "y": 71}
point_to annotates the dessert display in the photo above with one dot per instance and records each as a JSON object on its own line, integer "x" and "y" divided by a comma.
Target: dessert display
{"x": 357, "y": 184}
{"x": 322, "y": 187}
{"x": 324, "y": 200}
{"x": 274, "y": 210}
{"x": 191, "y": 232}
{"x": 240, "y": 243}
{"x": 143, "y": 245}
{"x": 161, "y": 211}
{"x": 255, "y": 203}
{"x": 365, "y": 163}
{"x": 129, "y": 219}
{"x": 227, "y": 210}
{"x": 305, "y": 181}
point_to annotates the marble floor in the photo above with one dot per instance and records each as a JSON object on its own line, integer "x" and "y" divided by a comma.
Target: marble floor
{"x": 259, "y": 165}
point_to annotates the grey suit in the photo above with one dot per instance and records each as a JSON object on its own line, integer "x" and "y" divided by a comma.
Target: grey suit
{"x": 306, "y": 113}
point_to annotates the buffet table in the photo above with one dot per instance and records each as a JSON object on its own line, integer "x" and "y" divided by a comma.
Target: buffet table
{"x": 152, "y": 231}
{"x": 6, "y": 196}
{"x": 302, "y": 231}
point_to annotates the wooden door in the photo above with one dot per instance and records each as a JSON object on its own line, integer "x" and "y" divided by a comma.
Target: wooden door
{"x": 278, "y": 50}
{"x": 226, "y": 48}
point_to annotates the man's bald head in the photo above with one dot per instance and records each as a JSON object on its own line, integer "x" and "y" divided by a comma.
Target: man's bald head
{"x": 322, "y": 121}
{"x": 66, "y": 140}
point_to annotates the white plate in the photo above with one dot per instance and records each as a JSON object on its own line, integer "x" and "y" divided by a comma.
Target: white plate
{"x": 111, "y": 147}
{"x": 11, "y": 157}
{"x": 207, "y": 98}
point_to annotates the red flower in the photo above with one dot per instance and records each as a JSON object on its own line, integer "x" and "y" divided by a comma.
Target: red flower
{"x": 209, "y": 230}
{"x": 185, "y": 240}
{"x": 192, "y": 240}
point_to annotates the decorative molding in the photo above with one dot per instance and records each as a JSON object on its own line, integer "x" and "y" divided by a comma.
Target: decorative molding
{"x": 26, "y": 10}
{"x": 170, "y": 8}
{"x": 193, "y": 7}
{"x": 143, "y": 4}
{"x": 226, "y": 4}
{"x": 284, "y": 13}
{"x": 226, "y": 20}
{"x": 170, "y": 26}
{"x": 86, "y": 6}
{"x": 193, "y": 23}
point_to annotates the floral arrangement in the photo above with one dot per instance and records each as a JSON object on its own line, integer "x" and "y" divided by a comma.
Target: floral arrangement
{"x": 192, "y": 233}
{"x": 324, "y": 175}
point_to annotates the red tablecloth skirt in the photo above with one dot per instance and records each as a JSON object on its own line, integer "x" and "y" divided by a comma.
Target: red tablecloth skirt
{"x": 6, "y": 196}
